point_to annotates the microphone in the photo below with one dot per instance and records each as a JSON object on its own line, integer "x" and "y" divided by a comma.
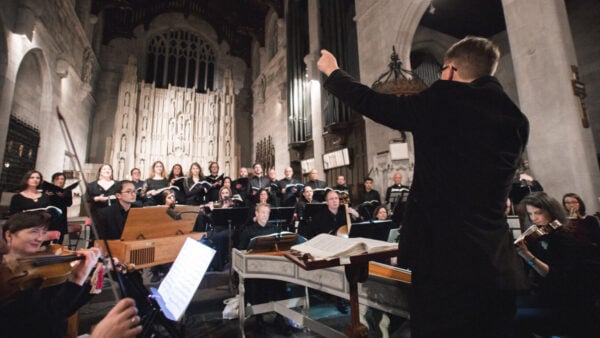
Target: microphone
{"x": 177, "y": 215}
{"x": 173, "y": 214}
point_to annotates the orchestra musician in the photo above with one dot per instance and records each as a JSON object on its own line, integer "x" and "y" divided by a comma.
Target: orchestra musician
{"x": 564, "y": 290}
{"x": 152, "y": 185}
{"x": 111, "y": 220}
{"x": 41, "y": 312}
{"x": 331, "y": 218}
{"x": 259, "y": 291}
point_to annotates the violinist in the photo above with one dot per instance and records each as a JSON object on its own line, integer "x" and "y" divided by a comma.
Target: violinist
{"x": 40, "y": 312}
{"x": 561, "y": 299}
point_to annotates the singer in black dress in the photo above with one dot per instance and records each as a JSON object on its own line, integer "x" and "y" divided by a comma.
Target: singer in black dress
{"x": 29, "y": 196}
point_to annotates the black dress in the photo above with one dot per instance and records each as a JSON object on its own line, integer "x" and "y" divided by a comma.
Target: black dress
{"x": 19, "y": 203}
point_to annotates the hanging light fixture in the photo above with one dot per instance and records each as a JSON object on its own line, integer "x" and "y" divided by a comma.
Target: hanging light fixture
{"x": 397, "y": 80}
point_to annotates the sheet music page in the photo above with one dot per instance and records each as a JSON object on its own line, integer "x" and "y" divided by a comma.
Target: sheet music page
{"x": 184, "y": 277}
{"x": 325, "y": 246}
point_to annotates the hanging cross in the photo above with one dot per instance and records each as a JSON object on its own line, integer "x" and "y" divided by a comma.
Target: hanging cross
{"x": 579, "y": 91}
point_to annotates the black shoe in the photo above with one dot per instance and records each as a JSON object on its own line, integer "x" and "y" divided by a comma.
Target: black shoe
{"x": 342, "y": 305}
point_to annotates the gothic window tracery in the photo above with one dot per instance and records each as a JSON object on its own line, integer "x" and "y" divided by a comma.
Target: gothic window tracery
{"x": 182, "y": 59}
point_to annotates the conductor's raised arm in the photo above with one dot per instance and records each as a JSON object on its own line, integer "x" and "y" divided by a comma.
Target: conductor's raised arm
{"x": 327, "y": 63}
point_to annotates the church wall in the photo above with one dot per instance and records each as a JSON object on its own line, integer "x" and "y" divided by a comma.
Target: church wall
{"x": 114, "y": 58}
{"x": 49, "y": 32}
{"x": 269, "y": 118}
{"x": 381, "y": 25}
{"x": 583, "y": 19}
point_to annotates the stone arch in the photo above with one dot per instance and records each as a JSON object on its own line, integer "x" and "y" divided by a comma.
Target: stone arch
{"x": 29, "y": 89}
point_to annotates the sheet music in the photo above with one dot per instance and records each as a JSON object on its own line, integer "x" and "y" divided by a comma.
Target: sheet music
{"x": 184, "y": 277}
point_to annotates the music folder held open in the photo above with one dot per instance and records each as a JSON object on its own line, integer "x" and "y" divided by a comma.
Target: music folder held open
{"x": 179, "y": 286}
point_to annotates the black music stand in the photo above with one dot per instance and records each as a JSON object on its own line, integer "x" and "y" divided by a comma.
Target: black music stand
{"x": 231, "y": 217}
{"x": 282, "y": 215}
{"x": 310, "y": 211}
{"x": 374, "y": 229}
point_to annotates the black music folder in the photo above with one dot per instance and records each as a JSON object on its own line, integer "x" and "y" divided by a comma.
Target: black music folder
{"x": 373, "y": 229}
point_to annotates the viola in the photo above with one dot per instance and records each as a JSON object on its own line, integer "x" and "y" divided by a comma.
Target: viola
{"x": 536, "y": 231}
{"x": 35, "y": 272}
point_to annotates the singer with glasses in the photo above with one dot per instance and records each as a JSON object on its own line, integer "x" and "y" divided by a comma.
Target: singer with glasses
{"x": 564, "y": 289}
{"x": 111, "y": 220}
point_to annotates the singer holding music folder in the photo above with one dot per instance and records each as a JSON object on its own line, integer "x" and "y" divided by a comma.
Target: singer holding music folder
{"x": 468, "y": 138}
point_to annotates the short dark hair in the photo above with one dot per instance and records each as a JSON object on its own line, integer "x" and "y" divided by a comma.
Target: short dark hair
{"x": 579, "y": 200}
{"x": 26, "y": 220}
{"x": 119, "y": 185}
{"x": 542, "y": 200}
{"x": 474, "y": 57}
{"x": 134, "y": 169}
{"x": 57, "y": 175}
{"x": 367, "y": 179}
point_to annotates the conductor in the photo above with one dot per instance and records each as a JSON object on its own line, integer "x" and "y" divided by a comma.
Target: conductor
{"x": 469, "y": 137}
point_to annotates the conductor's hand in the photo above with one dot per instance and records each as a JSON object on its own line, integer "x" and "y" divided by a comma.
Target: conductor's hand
{"x": 327, "y": 62}
{"x": 121, "y": 321}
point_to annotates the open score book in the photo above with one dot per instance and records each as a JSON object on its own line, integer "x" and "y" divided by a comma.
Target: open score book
{"x": 327, "y": 247}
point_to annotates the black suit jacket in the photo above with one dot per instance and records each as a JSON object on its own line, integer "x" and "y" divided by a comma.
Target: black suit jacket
{"x": 468, "y": 138}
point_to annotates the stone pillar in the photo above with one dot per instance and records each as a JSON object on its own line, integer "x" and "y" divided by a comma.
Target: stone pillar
{"x": 314, "y": 77}
{"x": 561, "y": 152}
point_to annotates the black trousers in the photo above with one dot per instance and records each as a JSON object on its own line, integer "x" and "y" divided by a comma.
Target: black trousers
{"x": 440, "y": 309}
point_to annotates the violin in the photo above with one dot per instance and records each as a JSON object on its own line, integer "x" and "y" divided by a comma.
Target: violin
{"x": 534, "y": 232}
{"x": 35, "y": 272}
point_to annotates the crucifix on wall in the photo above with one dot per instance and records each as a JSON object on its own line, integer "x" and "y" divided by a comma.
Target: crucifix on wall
{"x": 579, "y": 91}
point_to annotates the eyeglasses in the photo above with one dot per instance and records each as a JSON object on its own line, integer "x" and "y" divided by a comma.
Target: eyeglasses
{"x": 443, "y": 68}
{"x": 128, "y": 192}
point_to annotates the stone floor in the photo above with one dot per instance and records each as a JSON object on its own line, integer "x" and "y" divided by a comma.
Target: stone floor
{"x": 204, "y": 315}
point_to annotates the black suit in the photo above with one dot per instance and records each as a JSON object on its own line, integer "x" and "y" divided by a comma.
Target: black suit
{"x": 468, "y": 139}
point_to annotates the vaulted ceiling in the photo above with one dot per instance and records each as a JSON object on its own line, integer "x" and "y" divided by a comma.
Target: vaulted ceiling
{"x": 238, "y": 21}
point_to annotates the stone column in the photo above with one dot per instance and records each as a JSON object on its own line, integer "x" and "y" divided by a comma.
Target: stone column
{"x": 314, "y": 77}
{"x": 561, "y": 152}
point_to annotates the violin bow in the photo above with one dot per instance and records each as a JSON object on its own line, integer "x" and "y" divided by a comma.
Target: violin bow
{"x": 71, "y": 152}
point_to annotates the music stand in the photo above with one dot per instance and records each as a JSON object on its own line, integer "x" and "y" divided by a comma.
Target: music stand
{"x": 232, "y": 217}
{"x": 310, "y": 211}
{"x": 374, "y": 229}
{"x": 282, "y": 215}
{"x": 274, "y": 242}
